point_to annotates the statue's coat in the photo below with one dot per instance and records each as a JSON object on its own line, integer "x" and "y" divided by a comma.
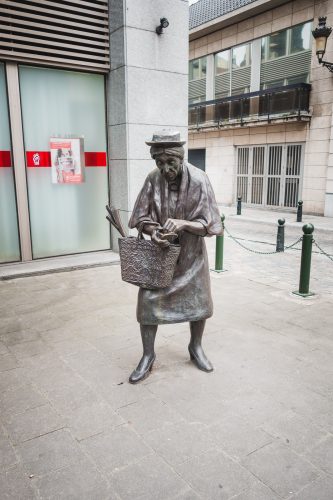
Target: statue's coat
{"x": 188, "y": 298}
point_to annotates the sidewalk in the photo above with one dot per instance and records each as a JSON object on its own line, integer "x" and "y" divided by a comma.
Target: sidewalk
{"x": 260, "y": 427}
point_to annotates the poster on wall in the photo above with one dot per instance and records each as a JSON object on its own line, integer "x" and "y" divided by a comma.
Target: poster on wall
{"x": 67, "y": 160}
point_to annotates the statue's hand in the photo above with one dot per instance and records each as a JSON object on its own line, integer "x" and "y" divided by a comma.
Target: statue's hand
{"x": 162, "y": 243}
{"x": 174, "y": 225}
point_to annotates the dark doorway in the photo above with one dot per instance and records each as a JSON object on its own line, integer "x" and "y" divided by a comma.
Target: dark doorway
{"x": 198, "y": 158}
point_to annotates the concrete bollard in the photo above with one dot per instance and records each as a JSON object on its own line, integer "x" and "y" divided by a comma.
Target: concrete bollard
{"x": 304, "y": 278}
{"x": 280, "y": 235}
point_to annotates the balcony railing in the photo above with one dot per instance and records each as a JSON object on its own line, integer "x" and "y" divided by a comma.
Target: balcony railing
{"x": 290, "y": 101}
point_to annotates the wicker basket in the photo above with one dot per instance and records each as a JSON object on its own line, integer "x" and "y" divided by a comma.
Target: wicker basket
{"x": 146, "y": 264}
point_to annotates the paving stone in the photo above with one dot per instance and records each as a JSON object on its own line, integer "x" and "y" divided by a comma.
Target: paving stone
{"x": 91, "y": 419}
{"x": 256, "y": 407}
{"x": 49, "y": 452}
{"x": 32, "y": 423}
{"x": 237, "y": 438}
{"x": 322, "y": 455}
{"x": 322, "y": 489}
{"x": 14, "y": 484}
{"x": 258, "y": 492}
{"x": 115, "y": 449}
{"x": 70, "y": 346}
{"x": 7, "y": 454}
{"x": 80, "y": 481}
{"x": 121, "y": 394}
{"x": 296, "y": 431}
{"x": 12, "y": 379}
{"x": 69, "y": 391}
{"x": 18, "y": 337}
{"x": 280, "y": 469}
{"x": 3, "y": 349}
{"x": 179, "y": 442}
{"x": 153, "y": 479}
{"x": 20, "y": 399}
{"x": 215, "y": 476}
{"x": 27, "y": 349}
{"x": 149, "y": 414}
{"x": 7, "y": 362}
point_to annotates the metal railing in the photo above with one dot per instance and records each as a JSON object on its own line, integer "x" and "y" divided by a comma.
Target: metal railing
{"x": 279, "y": 102}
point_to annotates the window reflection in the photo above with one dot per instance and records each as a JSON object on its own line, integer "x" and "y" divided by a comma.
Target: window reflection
{"x": 300, "y": 38}
{"x": 197, "y": 68}
{"x": 277, "y": 45}
{"x": 241, "y": 56}
{"x": 222, "y": 62}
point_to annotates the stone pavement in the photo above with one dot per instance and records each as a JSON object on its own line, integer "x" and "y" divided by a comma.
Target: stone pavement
{"x": 260, "y": 427}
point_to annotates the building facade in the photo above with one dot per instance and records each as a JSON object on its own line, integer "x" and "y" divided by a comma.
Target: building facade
{"x": 82, "y": 85}
{"x": 260, "y": 105}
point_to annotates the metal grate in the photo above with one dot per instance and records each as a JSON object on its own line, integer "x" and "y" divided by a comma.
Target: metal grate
{"x": 242, "y": 172}
{"x": 67, "y": 33}
{"x": 270, "y": 175}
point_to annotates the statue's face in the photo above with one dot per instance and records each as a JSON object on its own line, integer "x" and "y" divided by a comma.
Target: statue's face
{"x": 169, "y": 166}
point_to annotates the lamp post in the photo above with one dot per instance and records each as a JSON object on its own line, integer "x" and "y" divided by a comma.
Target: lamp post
{"x": 321, "y": 34}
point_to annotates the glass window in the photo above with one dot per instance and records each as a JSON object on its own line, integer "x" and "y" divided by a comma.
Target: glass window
{"x": 298, "y": 79}
{"x": 241, "y": 56}
{"x": 65, "y": 218}
{"x": 222, "y": 62}
{"x": 274, "y": 83}
{"x": 277, "y": 45}
{"x": 9, "y": 238}
{"x": 197, "y": 69}
{"x": 300, "y": 38}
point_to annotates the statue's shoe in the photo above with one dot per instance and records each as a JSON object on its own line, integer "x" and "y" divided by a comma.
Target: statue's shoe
{"x": 142, "y": 370}
{"x": 200, "y": 360}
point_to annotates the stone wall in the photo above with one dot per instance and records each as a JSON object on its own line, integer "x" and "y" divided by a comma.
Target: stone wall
{"x": 317, "y": 190}
{"x": 147, "y": 88}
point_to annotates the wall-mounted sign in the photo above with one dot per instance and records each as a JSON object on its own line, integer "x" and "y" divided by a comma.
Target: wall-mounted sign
{"x": 67, "y": 160}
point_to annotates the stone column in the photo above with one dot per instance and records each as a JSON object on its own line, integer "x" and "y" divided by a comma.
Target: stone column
{"x": 147, "y": 89}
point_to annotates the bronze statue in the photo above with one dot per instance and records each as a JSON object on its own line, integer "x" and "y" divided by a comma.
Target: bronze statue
{"x": 179, "y": 197}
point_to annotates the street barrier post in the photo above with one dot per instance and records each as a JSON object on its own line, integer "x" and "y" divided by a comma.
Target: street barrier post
{"x": 219, "y": 249}
{"x": 304, "y": 279}
{"x": 280, "y": 235}
{"x": 299, "y": 211}
{"x": 239, "y": 205}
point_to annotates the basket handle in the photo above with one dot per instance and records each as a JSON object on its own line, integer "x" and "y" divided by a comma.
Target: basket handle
{"x": 141, "y": 226}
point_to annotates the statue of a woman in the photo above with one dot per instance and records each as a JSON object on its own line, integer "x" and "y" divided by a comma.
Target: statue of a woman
{"x": 179, "y": 197}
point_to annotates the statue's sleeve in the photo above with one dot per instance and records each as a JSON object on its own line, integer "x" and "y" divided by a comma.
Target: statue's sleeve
{"x": 206, "y": 210}
{"x": 142, "y": 208}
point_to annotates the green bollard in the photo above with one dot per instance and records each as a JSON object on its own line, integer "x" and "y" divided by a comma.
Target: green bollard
{"x": 304, "y": 278}
{"x": 219, "y": 250}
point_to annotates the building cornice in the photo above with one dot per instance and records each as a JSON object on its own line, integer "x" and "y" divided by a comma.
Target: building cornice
{"x": 235, "y": 16}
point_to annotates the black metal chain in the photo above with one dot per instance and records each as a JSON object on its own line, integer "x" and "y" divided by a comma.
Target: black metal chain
{"x": 257, "y": 251}
{"x": 323, "y": 251}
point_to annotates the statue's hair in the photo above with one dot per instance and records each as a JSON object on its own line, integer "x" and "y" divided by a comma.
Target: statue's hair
{"x": 177, "y": 151}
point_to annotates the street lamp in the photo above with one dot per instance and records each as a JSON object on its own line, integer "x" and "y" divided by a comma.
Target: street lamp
{"x": 321, "y": 34}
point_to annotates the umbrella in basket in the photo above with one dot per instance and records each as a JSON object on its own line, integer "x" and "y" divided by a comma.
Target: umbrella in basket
{"x": 114, "y": 218}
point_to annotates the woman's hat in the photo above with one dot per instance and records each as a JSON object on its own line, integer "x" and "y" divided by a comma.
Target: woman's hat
{"x": 169, "y": 137}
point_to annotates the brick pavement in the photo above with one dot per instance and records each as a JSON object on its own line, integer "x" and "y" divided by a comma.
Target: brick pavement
{"x": 260, "y": 427}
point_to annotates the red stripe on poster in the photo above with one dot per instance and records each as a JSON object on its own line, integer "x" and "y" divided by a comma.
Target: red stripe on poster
{"x": 39, "y": 159}
{"x": 5, "y": 159}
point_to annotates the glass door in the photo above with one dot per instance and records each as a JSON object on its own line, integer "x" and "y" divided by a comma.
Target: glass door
{"x": 9, "y": 237}
{"x": 66, "y": 202}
